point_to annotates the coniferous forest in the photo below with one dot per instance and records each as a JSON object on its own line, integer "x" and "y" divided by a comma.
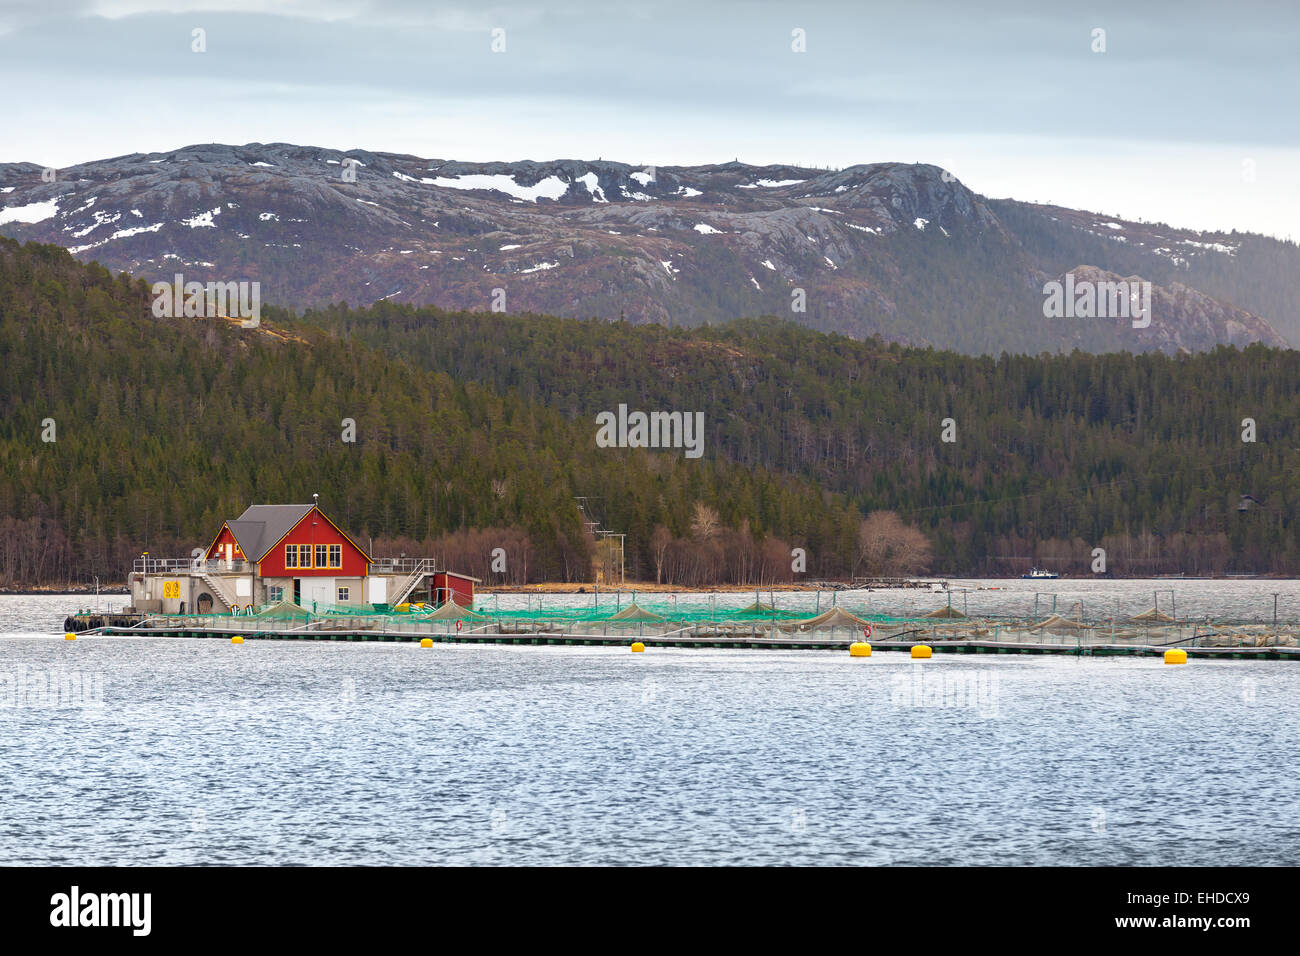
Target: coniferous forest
{"x": 121, "y": 432}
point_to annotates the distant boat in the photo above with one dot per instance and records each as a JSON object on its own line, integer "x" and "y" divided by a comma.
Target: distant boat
{"x": 1039, "y": 574}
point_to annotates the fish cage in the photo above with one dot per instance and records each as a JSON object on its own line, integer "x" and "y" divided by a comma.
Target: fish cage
{"x": 757, "y": 621}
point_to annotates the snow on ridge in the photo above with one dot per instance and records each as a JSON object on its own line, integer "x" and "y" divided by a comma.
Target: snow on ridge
{"x": 705, "y": 229}
{"x": 688, "y": 192}
{"x": 101, "y": 217}
{"x": 32, "y": 212}
{"x": 921, "y": 223}
{"x": 1213, "y": 246}
{"x": 135, "y": 231}
{"x": 512, "y": 245}
{"x": 540, "y": 266}
{"x": 552, "y": 187}
{"x": 644, "y": 178}
{"x": 768, "y": 263}
{"x": 592, "y": 182}
{"x": 203, "y": 220}
{"x": 120, "y": 234}
{"x": 771, "y": 184}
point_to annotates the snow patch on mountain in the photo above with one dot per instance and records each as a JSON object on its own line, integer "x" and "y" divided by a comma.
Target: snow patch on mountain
{"x": 32, "y": 212}
{"x": 552, "y": 187}
{"x": 203, "y": 220}
{"x": 592, "y": 182}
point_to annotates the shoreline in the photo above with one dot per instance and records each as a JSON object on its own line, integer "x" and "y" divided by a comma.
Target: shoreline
{"x": 121, "y": 591}
{"x": 649, "y": 587}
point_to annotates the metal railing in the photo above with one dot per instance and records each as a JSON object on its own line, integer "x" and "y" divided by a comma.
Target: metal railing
{"x": 402, "y": 565}
{"x": 190, "y": 565}
{"x": 240, "y": 566}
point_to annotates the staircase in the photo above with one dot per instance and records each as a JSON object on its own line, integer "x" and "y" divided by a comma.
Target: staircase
{"x": 423, "y": 568}
{"x": 218, "y": 590}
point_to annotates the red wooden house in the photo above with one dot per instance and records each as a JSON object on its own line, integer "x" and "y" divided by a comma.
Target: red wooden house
{"x": 298, "y": 554}
{"x": 294, "y": 553}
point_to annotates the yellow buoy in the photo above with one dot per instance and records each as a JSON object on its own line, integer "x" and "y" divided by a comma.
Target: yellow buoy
{"x": 69, "y": 636}
{"x": 426, "y": 642}
{"x": 1175, "y": 655}
{"x": 637, "y": 647}
{"x": 859, "y": 649}
{"x": 921, "y": 651}
{"x": 237, "y": 639}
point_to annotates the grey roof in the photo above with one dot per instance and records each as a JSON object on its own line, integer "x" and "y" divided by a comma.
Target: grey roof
{"x": 261, "y": 526}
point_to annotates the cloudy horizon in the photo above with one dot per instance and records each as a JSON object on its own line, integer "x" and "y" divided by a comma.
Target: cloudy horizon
{"x": 1185, "y": 117}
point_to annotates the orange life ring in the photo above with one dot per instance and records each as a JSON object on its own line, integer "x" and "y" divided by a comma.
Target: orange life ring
{"x": 866, "y": 629}
{"x": 459, "y": 625}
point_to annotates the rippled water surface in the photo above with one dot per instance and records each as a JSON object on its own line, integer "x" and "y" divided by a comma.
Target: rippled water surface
{"x": 197, "y": 751}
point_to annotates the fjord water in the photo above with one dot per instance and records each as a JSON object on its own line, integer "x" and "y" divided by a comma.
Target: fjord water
{"x": 278, "y": 752}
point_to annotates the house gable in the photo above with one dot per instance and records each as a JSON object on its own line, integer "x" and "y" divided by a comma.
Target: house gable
{"x": 224, "y": 537}
{"x": 321, "y": 538}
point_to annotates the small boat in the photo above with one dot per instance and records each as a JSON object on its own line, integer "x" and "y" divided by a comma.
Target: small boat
{"x": 1039, "y": 574}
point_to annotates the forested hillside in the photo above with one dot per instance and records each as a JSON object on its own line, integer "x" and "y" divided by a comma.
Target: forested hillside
{"x": 477, "y": 430}
{"x": 1053, "y": 455}
{"x": 165, "y": 427}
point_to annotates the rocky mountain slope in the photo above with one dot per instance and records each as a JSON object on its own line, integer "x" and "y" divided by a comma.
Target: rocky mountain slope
{"x": 902, "y": 251}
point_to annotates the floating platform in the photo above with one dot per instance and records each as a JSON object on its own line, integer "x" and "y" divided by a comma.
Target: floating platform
{"x": 944, "y": 645}
{"x": 93, "y": 620}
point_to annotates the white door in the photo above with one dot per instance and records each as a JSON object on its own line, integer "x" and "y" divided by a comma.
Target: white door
{"x": 318, "y": 592}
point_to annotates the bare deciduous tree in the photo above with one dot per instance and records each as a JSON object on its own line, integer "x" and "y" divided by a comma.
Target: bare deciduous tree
{"x": 887, "y": 547}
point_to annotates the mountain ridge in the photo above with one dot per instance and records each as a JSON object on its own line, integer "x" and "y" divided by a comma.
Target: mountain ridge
{"x": 902, "y": 251}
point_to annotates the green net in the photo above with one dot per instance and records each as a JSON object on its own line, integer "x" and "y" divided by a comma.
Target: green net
{"x": 641, "y": 616}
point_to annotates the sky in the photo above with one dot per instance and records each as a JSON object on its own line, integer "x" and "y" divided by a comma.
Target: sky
{"x": 1187, "y": 116}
